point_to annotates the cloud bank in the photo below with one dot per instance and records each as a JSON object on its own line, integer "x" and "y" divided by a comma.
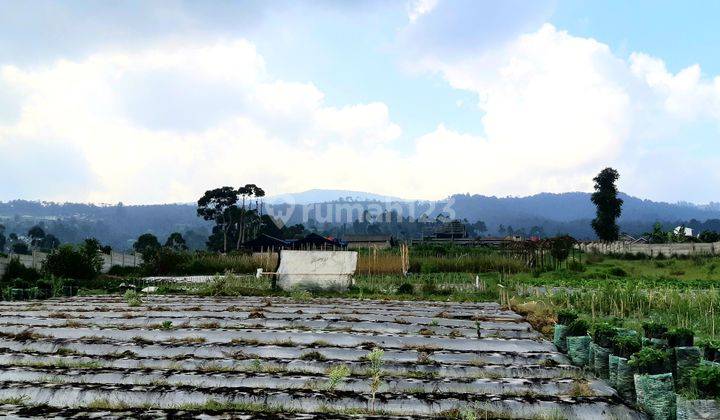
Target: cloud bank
{"x": 166, "y": 121}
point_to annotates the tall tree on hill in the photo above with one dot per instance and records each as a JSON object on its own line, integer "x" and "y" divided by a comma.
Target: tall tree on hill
{"x": 609, "y": 206}
{"x": 248, "y": 217}
{"x": 219, "y": 205}
{"x": 176, "y": 242}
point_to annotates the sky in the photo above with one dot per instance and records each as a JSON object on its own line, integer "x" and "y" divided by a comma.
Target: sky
{"x": 157, "y": 101}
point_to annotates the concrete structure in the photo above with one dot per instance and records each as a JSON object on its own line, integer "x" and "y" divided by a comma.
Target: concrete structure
{"x": 686, "y": 230}
{"x": 326, "y": 270}
{"x": 652, "y": 250}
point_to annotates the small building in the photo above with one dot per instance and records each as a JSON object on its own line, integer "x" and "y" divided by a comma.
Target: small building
{"x": 452, "y": 230}
{"x": 266, "y": 243}
{"x": 313, "y": 241}
{"x": 368, "y": 241}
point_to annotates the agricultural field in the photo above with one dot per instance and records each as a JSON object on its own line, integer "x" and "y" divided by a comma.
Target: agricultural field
{"x": 465, "y": 334}
{"x": 189, "y": 355}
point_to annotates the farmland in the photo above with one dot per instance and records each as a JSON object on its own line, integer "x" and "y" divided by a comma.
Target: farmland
{"x": 467, "y": 342}
{"x": 265, "y": 355}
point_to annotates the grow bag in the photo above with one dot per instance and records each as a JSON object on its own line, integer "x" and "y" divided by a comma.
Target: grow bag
{"x": 612, "y": 370}
{"x": 560, "y": 337}
{"x": 656, "y": 395}
{"x": 578, "y": 348}
{"x": 658, "y": 342}
{"x": 624, "y": 380}
{"x": 686, "y": 359}
{"x": 697, "y": 409}
{"x": 600, "y": 360}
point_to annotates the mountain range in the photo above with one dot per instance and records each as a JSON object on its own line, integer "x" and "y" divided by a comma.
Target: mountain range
{"x": 570, "y": 213}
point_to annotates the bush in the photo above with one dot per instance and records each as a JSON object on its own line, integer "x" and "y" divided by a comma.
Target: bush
{"x": 566, "y": 316}
{"x": 626, "y": 345}
{"x": 649, "y": 361}
{"x": 594, "y": 258}
{"x": 578, "y": 328}
{"x": 18, "y": 274}
{"x": 575, "y": 266}
{"x": 428, "y": 286}
{"x": 706, "y": 380}
{"x": 617, "y": 272}
{"x": 654, "y": 330}
{"x": 680, "y": 337}
{"x": 603, "y": 334}
{"x": 120, "y": 271}
{"x": 82, "y": 263}
{"x": 406, "y": 289}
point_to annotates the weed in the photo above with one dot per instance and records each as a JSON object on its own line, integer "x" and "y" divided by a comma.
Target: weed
{"x": 375, "y": 370}
{"x": 581, "y": 388}
{"x": 132, "y": 298}
{"x": 337, "y": 374}
{"x": 313, "y": 355}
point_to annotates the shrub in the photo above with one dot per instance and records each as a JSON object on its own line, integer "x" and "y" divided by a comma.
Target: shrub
{"x": 706, "y": 380}
{"x": 15, "y": 271}
{"x": 626, "y": 345}
{"x": 577, "y": 328}
{"x": 594, "y": 258}
{"x": 680, "y": 337}
{"x": 428, "y": 287}
{"x": 120, "y": 271}
{"x": 617, "y": 272}
{"x": 82, "y": 263}
{"x": 649, "y": 361}
{"x": 405, "y": 289}
{"x": 566, "y": 316}
{"x": 654, "y": 329}
{"x": 575, "y": 266}
{"x": 603, "y": 334}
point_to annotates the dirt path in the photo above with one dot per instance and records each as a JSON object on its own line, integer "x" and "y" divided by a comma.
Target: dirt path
{"x": 184, "y": 356}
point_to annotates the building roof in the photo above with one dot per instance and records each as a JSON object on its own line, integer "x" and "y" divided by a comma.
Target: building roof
{"x": 264, "y": 240}
{"x": 367, "y": 238}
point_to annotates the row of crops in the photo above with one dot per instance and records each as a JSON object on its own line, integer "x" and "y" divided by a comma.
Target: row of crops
{"x": 662, "y": 371}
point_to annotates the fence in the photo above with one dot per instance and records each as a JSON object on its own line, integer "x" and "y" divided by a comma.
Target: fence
{"x": 652, "y": 250}
{"x": 36, "y": 259}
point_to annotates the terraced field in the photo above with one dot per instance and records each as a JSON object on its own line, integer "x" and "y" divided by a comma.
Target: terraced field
{"x": 283, "y": 358}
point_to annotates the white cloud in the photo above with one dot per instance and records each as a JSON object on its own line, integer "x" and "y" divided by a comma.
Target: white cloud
{"x": 270, "y": 129}
{"x": 557, "y": 108}
{"x": 417, "y": 8}
{"x": 166, "y": 122}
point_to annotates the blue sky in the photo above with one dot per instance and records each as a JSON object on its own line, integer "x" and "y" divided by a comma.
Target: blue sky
{"x": 146, "y": 102}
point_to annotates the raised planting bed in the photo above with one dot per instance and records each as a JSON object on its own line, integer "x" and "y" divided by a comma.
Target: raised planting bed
{"x": 188, "y": 357}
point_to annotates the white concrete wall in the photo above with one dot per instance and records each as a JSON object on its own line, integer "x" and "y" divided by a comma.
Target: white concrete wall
{"x": 316, "y": 269}
{"x": 652, "y": 249}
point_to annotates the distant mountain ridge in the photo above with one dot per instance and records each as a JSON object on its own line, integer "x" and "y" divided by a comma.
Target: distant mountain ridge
{"x": 324, "y": 196}
{"x": 571, "y": 213}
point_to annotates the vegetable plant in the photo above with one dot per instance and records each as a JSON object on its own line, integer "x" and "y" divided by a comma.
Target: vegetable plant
{"x": 649, "y": 361}
{"x": 706, "y": 380}
{"x": 680, "y": 337}
{"x": 577, "y": 328}
{"x": 566, "y": 316}
{"x": 603, "y": 334}
{"x": 654, "y": 329}
{"x": 625, "y": 345}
